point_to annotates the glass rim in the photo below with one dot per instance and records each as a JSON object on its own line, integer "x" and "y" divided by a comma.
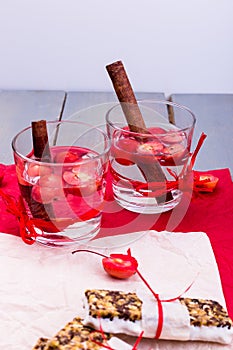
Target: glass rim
{"x": 84, "y": 161}
{"x": 161, "y": 102}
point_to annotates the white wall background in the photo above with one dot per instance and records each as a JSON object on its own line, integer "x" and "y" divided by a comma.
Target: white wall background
{"x": 166, "y": 45}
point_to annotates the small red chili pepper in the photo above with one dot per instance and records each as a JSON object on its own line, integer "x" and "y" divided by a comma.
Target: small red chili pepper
{"x": 120, "y": 266}
{"x": 205, "y": 182}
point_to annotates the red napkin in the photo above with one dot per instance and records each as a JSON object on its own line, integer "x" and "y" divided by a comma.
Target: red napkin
{"x": 8, "y": 222}
{"x": 211, "y": 213}
{"x": 208, "y": 212}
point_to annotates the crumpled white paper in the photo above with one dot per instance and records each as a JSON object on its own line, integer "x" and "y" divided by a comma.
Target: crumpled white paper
{"x": 41, "y": 288}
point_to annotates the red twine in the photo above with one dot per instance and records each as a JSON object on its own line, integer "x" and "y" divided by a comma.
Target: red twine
{"x": 26, "y": 225}
{"x": 159, "y": 301}
{"x": 105, "y": 344}
{"x": 160, "y": 305}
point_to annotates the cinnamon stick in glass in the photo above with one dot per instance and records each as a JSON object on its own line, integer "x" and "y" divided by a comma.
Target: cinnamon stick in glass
{"x": 126, "y": 97}
{"x": 40, "y": 141}
{"x": 151, "y": 172}
{"x": 41, "y": 153}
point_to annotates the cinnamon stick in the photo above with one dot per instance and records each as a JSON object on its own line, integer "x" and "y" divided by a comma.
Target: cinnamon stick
{"x": 40, "y": 141}
{"x": 41, "y": 153}
{"x": 151, "y": 172}
{"x": 126, "y": 97}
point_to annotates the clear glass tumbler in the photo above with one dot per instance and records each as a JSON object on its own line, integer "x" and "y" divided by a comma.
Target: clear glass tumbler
{"x": 64, "y": 196}
{"x": 148, "y": 168}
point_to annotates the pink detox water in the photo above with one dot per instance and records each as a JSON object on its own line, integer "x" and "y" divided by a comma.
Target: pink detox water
{"x": 63, "y": 195}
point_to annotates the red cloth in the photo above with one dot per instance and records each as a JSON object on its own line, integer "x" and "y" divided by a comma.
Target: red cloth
{"x": 209, "y": 212}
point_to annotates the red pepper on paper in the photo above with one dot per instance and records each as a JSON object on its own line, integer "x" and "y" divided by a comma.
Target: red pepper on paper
{"x": 120, "y": 266}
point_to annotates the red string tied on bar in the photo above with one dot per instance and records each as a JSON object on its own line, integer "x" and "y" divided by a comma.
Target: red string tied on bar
{"x": 159, "y": 301}
{"x": 160, "y": 304}
{"x": 105, "y": 344}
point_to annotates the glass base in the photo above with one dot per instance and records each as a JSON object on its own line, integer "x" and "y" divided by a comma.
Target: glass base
{"x": 130, "y": 200}
{"x": 76, "y": 234}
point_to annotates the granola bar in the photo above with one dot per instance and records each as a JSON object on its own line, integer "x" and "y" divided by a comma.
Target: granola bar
{"x": 208, "y": 313}
{"x": 110, "y": 304}
{"x": 75, "y": 335}
{"x": 183, "y": 319}
{"x": 208, "y": 319}
{"x": 41, "y": 343}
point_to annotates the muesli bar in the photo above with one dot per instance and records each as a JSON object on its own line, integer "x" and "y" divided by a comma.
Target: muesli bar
{"x": 183, "y": 319}
{"x": 75, "y": 335}
{"x": 41, "y": 343}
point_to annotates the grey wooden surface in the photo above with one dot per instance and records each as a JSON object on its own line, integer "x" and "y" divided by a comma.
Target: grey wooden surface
{"x": 19, "y": 108}
{"x": 92, "y": 107}
{"x": 77, "y": 102}
{"x": 214, "y": 114}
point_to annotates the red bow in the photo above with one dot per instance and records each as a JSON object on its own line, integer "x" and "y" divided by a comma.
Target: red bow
{"x": 26, "y": 225}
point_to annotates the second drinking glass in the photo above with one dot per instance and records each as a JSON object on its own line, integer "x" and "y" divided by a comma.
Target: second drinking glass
{"x": 148, "y": 168}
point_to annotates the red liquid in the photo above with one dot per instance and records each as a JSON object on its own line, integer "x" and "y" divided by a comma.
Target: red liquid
{"x": 64, "y": 192}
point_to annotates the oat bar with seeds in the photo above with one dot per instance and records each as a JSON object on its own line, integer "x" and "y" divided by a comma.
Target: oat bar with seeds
{"x": 110, "y": 304}
{"x": 76, "y": 336}
{"x": 183, "y": 319}
{"x": 41, "y": 343}
{"x": 207, "y": 313}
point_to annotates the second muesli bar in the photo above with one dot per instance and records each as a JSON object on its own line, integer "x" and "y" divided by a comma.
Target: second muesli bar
{"x": 75, "y": 335}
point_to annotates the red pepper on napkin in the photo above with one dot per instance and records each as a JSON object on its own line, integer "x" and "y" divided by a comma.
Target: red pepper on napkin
{"x": 204, "y": 182}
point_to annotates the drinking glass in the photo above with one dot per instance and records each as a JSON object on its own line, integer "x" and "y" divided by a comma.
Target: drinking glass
{"x": 148, "y": 168}
{"x": 64, "y": 195}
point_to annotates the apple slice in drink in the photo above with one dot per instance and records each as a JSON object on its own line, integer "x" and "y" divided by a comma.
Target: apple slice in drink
{"x": 147, "y": 150}
{"x": 48, "y": 189}
{"x": 82, "y": 180}
{"x": 123, "y": 150}
{"x": 174, "y": 154}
